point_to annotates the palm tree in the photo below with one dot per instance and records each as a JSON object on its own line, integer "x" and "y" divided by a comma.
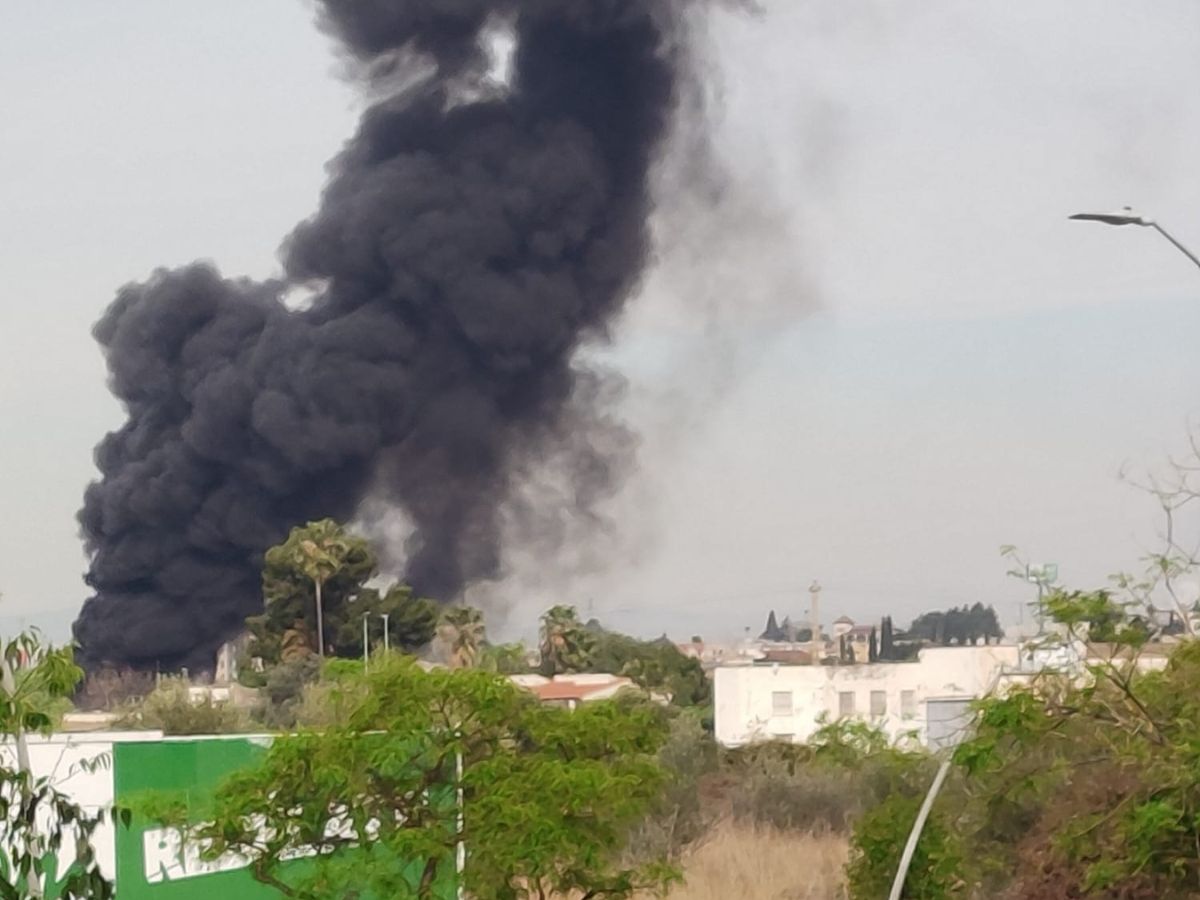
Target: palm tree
{"x": 462, "y": 632}
{"x": 566, "y": 645}
{"x": 319, "y": 551}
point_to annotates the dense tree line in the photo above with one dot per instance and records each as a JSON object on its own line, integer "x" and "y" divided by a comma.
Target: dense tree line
{"x": 319, "y": 589}
{"x": 958, "y": 625}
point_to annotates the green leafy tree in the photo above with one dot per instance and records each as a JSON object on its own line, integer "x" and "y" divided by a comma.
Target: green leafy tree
{"x": 657, "y": 666}
{"x": 411, "y": 624}
{"x": 957, "y": 625}
{"x": 548, "y": 796}
{"x": 566, "y": 644}
{"x": 38, "y": 822}
{"x": 283, "y": 689}
{"x": 504, "y": 659}
{"x": 462, "y": 633}
{"x": 319, "y": 561}
{"x": 1079, "y": 781}
{"x": 323, "y": 557}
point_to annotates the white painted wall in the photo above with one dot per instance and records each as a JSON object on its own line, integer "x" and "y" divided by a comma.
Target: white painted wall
{"x": 744, "y": 695}
{"x": 80, "y": 765}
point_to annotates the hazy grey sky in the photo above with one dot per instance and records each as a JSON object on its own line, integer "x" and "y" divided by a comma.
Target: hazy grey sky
{"x": 882, "y": 355}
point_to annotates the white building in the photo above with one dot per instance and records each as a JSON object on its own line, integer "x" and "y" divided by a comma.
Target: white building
{"x": 929, "y": 698}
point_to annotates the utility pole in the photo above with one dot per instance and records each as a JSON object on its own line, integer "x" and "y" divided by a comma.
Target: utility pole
{"x": 814, "y": 591}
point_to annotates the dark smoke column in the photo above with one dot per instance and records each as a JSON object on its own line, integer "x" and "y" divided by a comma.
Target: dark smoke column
{"x": 470, "y": 238}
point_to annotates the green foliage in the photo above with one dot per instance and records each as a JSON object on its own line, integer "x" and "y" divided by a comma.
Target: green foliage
{"x": 876, "y": 846}
{"x": 283, "y": 690}
{"x": 37, "y": 822}
{"x": 679, "y": 817}
{"x": 462, "y": 634}
{"x": 171, "y": 709}
{"x": 504, "y": 659}
{"x": 549, "y": 795}
{"x": 566, "y": 645}
{"x": 324, "y": 556}
{"x": 846, "y": 768}
{"x": 1097, "y": 616}
{"x": 411, "y": 624}
{"x": 657, "y": 666}
{"x": 1084, "y": 781}
{"x": 961, "y": 625}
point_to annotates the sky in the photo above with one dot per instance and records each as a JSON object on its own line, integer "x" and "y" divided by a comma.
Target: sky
{"x": 875, "y": 353}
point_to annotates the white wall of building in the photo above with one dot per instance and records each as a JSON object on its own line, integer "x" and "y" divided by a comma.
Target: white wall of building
{"x": 763, "y": 702}
{"x": 80, "y": 766}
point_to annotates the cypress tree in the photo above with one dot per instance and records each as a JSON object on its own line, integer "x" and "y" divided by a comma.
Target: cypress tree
{"x": 886, "y": 640}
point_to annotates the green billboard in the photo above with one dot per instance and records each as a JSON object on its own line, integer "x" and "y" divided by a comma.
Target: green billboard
{"x": 152, "y": 862}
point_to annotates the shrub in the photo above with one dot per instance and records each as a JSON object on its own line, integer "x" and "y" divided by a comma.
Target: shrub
{"x": 845, "y": 769}
{"x": 808, "y": 799}
{"x": 680, "y": 817}
{"x": 171, "y": 709}
{"x": 283, "y": 688}
{"x": 878, "y": 842}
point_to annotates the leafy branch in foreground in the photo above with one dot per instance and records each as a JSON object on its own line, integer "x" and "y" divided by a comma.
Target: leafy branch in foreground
{"x": 548, "y": 796}
{"x": 38, "y": 823}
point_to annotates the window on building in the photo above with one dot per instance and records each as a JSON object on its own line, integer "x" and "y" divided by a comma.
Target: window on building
{"x": 908, "y": 704}
{"x": 878, "y": 703}
{"x": 845, "y": 704}
{"x": 781, "y": 703}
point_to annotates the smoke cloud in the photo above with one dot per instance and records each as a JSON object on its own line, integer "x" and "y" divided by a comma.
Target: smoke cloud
{"x": 472, "y": 236}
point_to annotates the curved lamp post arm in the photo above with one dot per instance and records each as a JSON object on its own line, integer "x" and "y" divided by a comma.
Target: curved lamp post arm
{"x": 1128, "y": 217}
{"x": 1178, "y": 246}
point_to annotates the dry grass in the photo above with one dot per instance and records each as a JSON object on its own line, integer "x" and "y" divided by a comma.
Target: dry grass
{"x": 758, "y": 863}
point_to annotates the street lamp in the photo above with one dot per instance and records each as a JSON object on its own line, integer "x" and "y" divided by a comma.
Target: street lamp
{"x": 1128, "y": 217}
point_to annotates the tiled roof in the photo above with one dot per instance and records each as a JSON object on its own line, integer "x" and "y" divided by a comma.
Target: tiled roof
{"x": 569, "y": 690}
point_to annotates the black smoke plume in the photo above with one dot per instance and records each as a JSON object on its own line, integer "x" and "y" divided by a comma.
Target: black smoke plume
{"x": 472, "y": 236}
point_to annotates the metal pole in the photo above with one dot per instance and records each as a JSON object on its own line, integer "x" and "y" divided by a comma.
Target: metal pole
{"x": 460, "y": 850}
{"x": 915, "y": 835}
{"x": 366, "y": 645}
{"x": 1178, "y": 246}
{"x": 320, "y": 623}
{"x": 386, "y": 637}
{"x": 33, "y": 884}
{"x": 1041, "y": 608}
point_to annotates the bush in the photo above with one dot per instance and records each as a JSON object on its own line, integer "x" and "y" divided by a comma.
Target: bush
{"x": 171, "y": 709}
{"x": 283, "y": 688}
{"x": 812, "y": 798}
{"x": 846, "y": 769}
{"x": 680, "y": 817}
{"x": 878, "y": 843}
{"x": 330, "y": 701}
